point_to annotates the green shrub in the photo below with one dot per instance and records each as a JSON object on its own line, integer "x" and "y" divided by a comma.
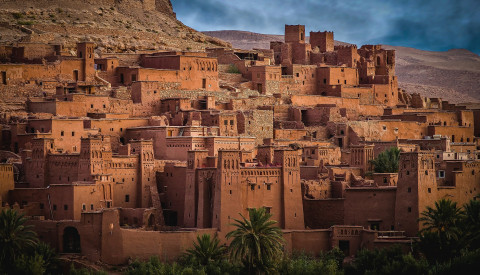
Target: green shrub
{"x": 30, "y": 265}
{"x": 185, "y": 266}
{"x": 390, "y": 260}
{"x": 17, "y": 15}
{"x": 25, "y": 23}
{"x": 85, "y": 271}
{"x": 232, "y": 69}
{"x": 468, "y": 263}
{"x": 305, "y": 264}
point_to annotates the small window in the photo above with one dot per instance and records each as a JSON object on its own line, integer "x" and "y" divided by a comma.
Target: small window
{"x": 91, "y": 106}
{"x": 429, "y": 190}
{"x": 73, "y": 134}
{"x": 409, "y": 209}
{"x": 409, "y": 190}
{"x": 269, "y": 187}
{"x": 91, "y": 206}
{"x": 54, "y": 207}
{"x": 65, "y": 207}
{"x": 441, "y": 174}
{"x": 62, "y": 133}
{"x": 127, "y": 198}
{"x": 84, "y": 207}
{"x": 252, "y": 187}
{"x": 230, "y": 192}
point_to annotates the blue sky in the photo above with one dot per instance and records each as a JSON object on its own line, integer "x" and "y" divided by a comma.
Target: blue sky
{"x": 425, "y": 24}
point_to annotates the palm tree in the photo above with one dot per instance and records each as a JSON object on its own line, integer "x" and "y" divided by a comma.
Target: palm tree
{"x": 15, "y": 237}
{"x": 257, "y": 242}
{"x": 471, "y": 223}
{"x": 387, "y": 161}
{"x": 207, "y": 250}
{"x": 441, "y": 239}
{"x": 444, "y": 218}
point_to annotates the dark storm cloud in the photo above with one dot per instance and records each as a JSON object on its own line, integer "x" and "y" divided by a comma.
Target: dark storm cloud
{"x": 424, "y": 24}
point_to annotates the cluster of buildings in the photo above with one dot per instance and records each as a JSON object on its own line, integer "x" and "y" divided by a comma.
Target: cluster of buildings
{"x": 134, "y": 155}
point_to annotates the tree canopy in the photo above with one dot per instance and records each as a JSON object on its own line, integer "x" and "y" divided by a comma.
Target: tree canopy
{"x": 387, "y": 161}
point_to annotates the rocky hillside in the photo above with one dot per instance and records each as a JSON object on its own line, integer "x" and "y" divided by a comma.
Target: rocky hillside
{"x": 115, "y": 25}
{"x": 452, "y": 75}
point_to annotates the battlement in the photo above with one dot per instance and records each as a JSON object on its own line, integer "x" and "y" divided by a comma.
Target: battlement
{"x": 323, "y": 40}
{"x": 295, "y": 34}
{"x": 353, "y": 47}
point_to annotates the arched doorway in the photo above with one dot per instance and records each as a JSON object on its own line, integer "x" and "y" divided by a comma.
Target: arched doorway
{"x": 71, "y": 240}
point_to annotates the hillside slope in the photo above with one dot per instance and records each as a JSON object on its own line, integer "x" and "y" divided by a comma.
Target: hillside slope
{"x": 453, "y": 75}
{"x": 115, "y": 25}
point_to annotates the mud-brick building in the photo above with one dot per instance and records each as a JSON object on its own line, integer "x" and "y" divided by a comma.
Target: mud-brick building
{"x": 211, "y": 191}
{"x": 67, "y": 184}
{"x": 27, "y": 67}
{"x": 395, "y": 201}
{"x": 182, "y": 70}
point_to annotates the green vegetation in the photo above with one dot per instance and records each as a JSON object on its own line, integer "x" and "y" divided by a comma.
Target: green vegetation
{"x": 448, "y": 244}
{"x": 387, "y": 161}
{"x": 15, "y": 237}
{"x": 85, "y": 271}
{"x": 20, "y": 250}
{"x": 391, "y": 260}
{"x": 449, "y": 231}
{"x": 257, "y": 242}
{"x": 25, "y": 23}
{"x": 305, "y": 264}
{"x": 232, "y": 69}
{"x": 17, "y": 15}
{"x": 206, "y": 250}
